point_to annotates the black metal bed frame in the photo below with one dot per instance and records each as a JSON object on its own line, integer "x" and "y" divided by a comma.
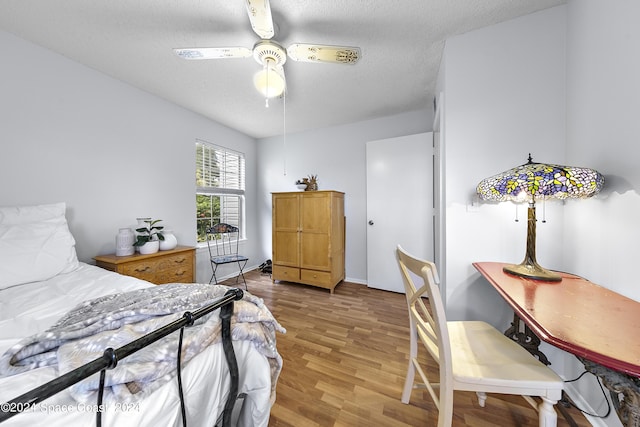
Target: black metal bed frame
{"x": 110, "y": 359}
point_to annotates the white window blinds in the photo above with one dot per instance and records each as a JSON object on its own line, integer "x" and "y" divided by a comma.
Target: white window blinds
{"x": 219, "y": 170}
{"x": 220, "y": 186}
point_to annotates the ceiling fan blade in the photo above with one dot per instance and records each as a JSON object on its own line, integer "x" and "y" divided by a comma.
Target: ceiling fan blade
{"x": 213, "y": 52}
{"x": 260, "y": 16}
{"x": 324, "y": 53}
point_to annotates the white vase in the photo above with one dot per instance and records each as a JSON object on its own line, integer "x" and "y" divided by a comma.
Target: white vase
{"x": 124, "y": 242}
{"x": 169, "y": 241}
{"x": 149, "y": 247}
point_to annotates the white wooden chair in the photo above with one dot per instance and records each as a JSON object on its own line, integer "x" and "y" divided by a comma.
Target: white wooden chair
{"x": 472, "y": 355}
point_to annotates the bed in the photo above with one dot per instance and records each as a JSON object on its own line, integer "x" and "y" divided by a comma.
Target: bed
{"x": 44, "y": 289}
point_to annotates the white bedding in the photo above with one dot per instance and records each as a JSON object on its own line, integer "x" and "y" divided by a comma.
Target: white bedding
{"x": 31, "y": 308}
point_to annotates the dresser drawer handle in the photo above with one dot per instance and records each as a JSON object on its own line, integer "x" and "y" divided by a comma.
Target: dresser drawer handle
{"x": 180, "y": 273}
{"x": 180, "y": 261}
{"x": 142, "y": 270}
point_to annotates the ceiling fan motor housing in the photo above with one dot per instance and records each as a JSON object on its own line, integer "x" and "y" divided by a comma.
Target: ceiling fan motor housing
{"x": 266, "y": 50}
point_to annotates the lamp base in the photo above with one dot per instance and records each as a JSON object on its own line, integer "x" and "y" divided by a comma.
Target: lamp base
{"x": 532, "y": 271}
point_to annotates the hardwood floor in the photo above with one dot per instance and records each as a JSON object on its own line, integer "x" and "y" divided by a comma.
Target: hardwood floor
{"x": 345, "y": 358}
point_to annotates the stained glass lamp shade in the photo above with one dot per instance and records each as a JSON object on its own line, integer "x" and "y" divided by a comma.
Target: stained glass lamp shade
{"x": 531, "y": 182}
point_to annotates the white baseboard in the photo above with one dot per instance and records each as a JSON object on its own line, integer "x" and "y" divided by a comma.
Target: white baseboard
{"x": 357, "y": 281}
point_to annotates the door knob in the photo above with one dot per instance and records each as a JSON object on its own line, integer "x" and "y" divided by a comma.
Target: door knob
{"x": 370, "y": 222}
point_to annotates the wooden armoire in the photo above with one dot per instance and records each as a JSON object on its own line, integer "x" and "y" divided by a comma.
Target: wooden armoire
{"x": 308, "y": 237}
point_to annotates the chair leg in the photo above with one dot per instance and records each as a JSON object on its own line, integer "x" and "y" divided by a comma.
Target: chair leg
{"x": 547, "y": 415}
{"x": 408, "y": 382}
{"x": 241, "y": 267}
{"x": 411, "y": 369}
{"x": 445, "y": 407}
{"x": 482, "y": 398}
{"x": 213, "y": 275}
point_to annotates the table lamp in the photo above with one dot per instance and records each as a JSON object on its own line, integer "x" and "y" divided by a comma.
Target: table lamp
{"x": 534, "y": 181}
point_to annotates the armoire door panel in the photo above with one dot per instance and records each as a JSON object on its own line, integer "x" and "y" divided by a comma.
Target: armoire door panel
{"x": 288, "y": 213}
{"x": 315, "y": 251}
{"x": 315, "y": 213}
{"x": 286, "y": 248}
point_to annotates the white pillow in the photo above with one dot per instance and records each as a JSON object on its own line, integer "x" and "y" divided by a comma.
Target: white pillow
{"x": 35, "y": 244}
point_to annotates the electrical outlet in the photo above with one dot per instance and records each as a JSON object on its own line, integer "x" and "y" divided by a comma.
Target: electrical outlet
{"x": 473, "y": 206}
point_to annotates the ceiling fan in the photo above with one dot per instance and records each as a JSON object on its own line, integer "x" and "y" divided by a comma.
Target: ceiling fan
{"x": 270, "y": 81}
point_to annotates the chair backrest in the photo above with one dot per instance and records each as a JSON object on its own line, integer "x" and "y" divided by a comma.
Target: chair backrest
{"x": 223, "y": 240}
{"x": 427, "y": 316}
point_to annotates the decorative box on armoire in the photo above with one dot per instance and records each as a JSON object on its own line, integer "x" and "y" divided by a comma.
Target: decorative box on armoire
{"x": 308, "y": 237}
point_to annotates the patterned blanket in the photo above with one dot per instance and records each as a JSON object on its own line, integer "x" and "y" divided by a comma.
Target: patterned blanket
{"x": 85, "y": 332}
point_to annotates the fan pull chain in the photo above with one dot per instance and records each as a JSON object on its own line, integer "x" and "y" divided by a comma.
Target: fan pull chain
{"x": 284, "y": 131}
{"x": 266, "y": 98}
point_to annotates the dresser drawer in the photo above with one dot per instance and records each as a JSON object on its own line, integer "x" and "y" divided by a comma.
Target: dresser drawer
{"x": 317, "y": 278}
{"x": 175, "y": 261}
{"x": 175, "y": 275}
{"x": 290, "y": 274}
{"x": 140, "y": 269}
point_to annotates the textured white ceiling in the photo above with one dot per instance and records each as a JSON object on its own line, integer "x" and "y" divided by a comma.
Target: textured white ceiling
{"x": 132, "y": 40}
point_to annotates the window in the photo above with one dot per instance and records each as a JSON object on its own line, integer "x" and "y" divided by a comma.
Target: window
{"x": 220, "y": 178}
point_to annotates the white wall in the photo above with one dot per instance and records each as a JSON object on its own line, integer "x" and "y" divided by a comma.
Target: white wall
{"x": 603, "y": 101}
{"x": 504, "y": 98}
{"x": 337, "y": 156}
{"x": 110, "y": 151}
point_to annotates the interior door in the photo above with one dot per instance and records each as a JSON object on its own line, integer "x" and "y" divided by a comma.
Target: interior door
{"x": 399, "y": 205}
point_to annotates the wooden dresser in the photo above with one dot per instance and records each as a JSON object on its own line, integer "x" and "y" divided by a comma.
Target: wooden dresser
{"x": 175, "y": 265}
{"x": 308, "y": 237}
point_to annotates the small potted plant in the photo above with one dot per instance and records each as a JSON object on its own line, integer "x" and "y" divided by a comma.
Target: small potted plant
{"x": 149, "y": 236}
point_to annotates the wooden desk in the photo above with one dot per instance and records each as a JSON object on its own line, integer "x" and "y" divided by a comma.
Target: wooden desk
{"x": 598, "y": 325}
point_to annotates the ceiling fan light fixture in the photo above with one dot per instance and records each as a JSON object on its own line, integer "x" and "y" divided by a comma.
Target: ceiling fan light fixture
{"x": 270, "y": 80}
{"x": 271, "y": 56}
